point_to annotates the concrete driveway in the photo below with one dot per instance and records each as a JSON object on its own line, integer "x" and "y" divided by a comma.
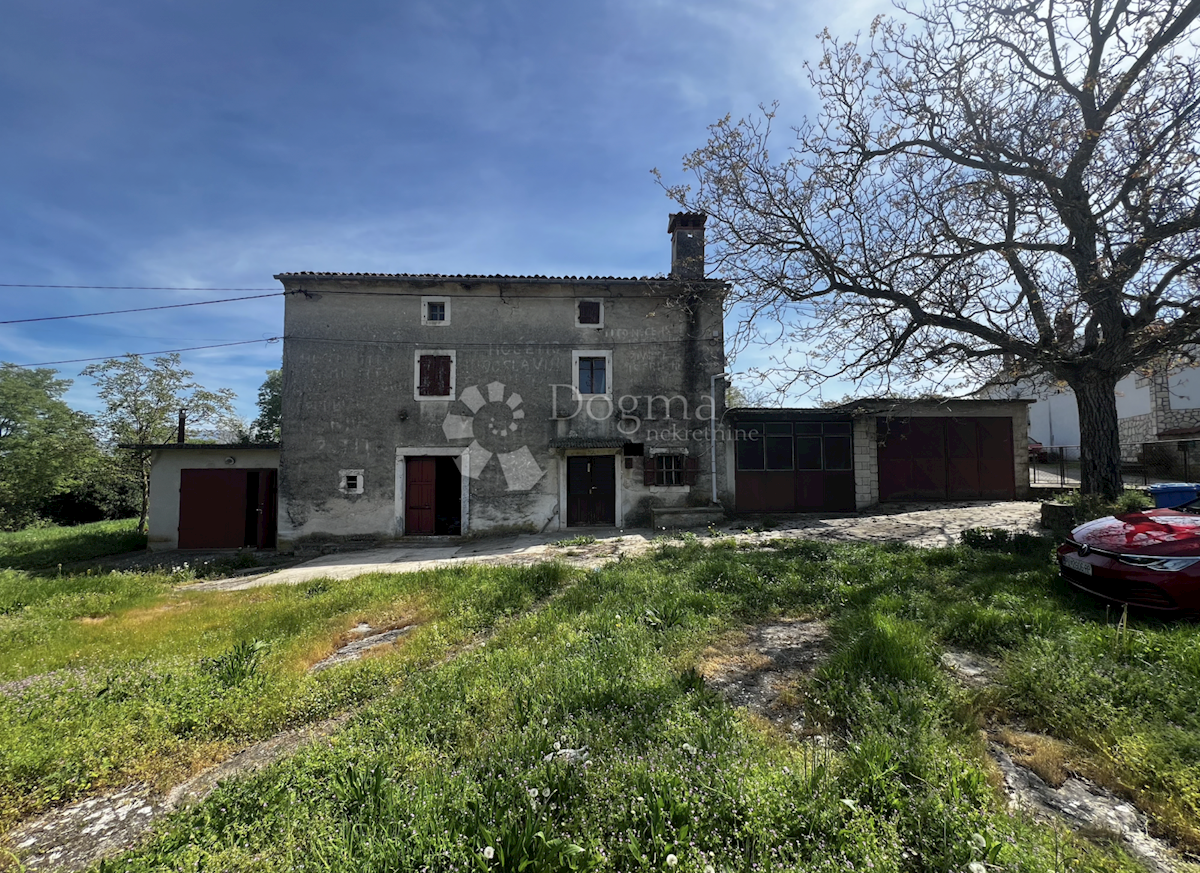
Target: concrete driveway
{"x": 919, "y": 524}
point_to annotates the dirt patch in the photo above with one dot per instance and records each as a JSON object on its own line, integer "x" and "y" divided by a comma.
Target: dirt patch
{"x": 762, "y": 668}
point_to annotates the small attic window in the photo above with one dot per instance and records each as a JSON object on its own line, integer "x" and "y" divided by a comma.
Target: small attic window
{"x": 589, "y": 313}
{"x": 435, "y": 311}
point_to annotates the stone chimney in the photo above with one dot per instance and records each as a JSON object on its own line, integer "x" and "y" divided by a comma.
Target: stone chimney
{"x": 687, "y": 244}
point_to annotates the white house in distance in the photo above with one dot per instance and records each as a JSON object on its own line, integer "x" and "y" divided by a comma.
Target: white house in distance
{"x": 1158, "y": 406}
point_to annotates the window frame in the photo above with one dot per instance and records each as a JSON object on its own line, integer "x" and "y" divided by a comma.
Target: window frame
{"x": 606, "y": 354}
{"x": 344, "y": 483}
{"x": 685, "y": 473}
{"x": 425, "y": 320}
{"x": 592, "y": 326}
{"x": 420, "y": 353}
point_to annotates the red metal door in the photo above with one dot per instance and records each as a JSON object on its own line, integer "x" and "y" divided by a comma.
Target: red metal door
{"x": 997, "y": 473}
{"x": 212, "y": 509}
{"x": 591, "y": 490}
{"x": 962, "y": 459}
{"x": 420, "y": 495}
{"x": 265, "y": 526}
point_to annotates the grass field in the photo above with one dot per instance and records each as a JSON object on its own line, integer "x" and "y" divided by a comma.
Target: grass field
{"x": 43, "y": 547}
{"x": 581, "y": 736}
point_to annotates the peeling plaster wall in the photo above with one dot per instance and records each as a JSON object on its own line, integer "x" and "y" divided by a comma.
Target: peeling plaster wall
{"x": 349, "y": 374}
{"x": 162, "y": 524}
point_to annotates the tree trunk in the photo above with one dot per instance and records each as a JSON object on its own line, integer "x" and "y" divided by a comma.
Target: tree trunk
{"x": 145, "y": 483}
{"x": 1100, "y": 443}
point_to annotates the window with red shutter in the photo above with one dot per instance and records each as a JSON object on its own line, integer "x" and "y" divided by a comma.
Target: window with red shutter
{"x": 434, "y": 376}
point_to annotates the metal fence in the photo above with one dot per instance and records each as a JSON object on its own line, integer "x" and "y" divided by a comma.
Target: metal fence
{"x": 1141, "y": 463}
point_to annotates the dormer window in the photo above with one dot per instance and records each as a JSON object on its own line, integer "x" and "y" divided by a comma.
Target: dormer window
{"x": 435, "y": 311}
{"x": 589, "y": 313}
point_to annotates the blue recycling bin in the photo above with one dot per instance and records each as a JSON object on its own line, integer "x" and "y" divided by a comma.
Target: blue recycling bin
{"x": 1170, "y": 494}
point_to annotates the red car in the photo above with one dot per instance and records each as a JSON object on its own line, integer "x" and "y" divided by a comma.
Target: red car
{"x": 1149, "y": 559}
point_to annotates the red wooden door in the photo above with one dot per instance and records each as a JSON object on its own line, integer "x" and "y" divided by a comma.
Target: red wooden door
{"x": 962, "y": 459}
{"x": 264, "y": 510}
{"x": 420, "y": 495}
{"x": 212, "y": 509}
{"x": 591, "y": 490}
{"x": 997, "y": 473}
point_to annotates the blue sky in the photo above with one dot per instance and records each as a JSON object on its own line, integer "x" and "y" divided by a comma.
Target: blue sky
{"x": 212, "y": 145}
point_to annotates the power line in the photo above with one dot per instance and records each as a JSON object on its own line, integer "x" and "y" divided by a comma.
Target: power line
{"x": 128, "y": 287}
{"x": 270, "y": 339}
{"x": 142, "y": 308}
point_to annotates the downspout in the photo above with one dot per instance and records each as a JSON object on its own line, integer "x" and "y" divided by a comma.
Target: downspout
{"x": 712, "y": 431}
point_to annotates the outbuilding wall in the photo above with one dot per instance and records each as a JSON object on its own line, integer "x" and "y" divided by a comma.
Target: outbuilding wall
{"x": 165, "y": 472}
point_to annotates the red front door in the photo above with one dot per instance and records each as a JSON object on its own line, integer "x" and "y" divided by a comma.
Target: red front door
{"x": 420, "y": 495}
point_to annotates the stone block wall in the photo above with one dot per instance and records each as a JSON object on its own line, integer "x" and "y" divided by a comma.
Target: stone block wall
{"x": 866, "y": 463}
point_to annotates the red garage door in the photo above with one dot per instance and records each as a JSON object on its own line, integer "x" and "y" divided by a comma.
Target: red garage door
{"x": 226, "y": 509}
{"x": 946, "y": 459}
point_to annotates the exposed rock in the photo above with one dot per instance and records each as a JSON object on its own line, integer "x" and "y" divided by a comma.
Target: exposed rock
{"x": 76, "y": 836}
{"x": 354, "y": 650}
{"x": 1084, "y": 806}
{"x": 974, "y": 671}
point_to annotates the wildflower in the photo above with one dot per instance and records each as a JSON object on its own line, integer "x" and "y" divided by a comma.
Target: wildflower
{"x": 545, "y": 792}
{"x": 709, "y": 868}
{"x": 976, "y": 867}
{"x": 672, "y": 860}
{"x": 557, "y": 745}
{"x": 489, "y": 853}
{"x": 689, "y": 748}
{"x": 533, "y": 792}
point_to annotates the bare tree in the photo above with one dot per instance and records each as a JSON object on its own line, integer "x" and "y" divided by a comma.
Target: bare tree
{"x": 987, "y": 180}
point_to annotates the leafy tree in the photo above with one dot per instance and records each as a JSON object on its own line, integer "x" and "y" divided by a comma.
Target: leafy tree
{"x": 988, "y": 178}
{"x": 45, "y": 446}
{"x": 266, "y": 427}
{"x": 142, "y": 403}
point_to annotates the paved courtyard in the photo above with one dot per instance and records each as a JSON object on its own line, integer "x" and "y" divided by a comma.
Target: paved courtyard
{"x": 919, "y": 524}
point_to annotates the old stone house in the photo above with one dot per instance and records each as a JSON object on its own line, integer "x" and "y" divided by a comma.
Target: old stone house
{"x": 437, "y": 405}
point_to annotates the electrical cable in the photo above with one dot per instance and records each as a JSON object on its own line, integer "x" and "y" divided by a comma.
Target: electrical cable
{"x": 270, "y": 339}
{"x": 139, "y": 309}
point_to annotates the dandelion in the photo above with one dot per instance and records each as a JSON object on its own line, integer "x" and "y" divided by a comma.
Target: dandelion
{"x": 533, "y": 792}
{"x": 489, "y": 853}
{"x": 545, "y": 792}
{"x": 976, "y": 867}
{"x": 557, "y": 745}
{"x": 709, "y": 868}
{"x": 672, "y": 860}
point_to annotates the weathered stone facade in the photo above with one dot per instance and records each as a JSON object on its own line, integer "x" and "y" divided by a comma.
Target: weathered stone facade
{"x": 504, "y": 392}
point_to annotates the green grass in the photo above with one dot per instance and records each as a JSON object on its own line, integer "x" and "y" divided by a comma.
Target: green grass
{"x": 442, "y": 764}
{"x": 43, "y": 547}
{"x": 117, "y": 677}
